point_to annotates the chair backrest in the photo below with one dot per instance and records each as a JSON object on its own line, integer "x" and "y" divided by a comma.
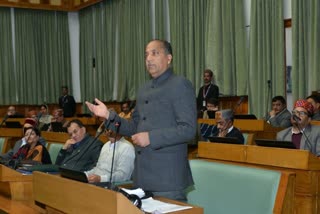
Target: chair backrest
{"x": 248, "y": 138}
{"x": 225, "y": 188}
{"x": 3, "y": 141}
{"x": 54, "y": 149}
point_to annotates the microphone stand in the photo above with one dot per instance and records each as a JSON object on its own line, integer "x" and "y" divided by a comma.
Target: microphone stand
{"x": 4, "y": 120}
{"x": 268, "y": 96}
{"x": 309, "y": 145}
{"x": 117, "y": 124}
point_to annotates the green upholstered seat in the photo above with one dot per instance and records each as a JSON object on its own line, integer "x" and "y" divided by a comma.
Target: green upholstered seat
{"x": 2, "y": 142}
{"x": 227, "y": 189}
{"x": 54, "y": 149}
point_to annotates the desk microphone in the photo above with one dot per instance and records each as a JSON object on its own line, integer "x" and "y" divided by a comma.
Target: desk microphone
{"x": 298, "y": 119}
{"x": 117, "y": 125}
{"x": 242, "y": 98}
{"x": 268, "y": 96}
{"x": 4, "y": 120}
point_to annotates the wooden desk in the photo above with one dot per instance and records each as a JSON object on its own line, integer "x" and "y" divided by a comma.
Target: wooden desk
{"x": 15, "y": 185}
{"x": 260, "y": 128}
{"x": 303, "y": 163}
{"x": 61, "y": 195}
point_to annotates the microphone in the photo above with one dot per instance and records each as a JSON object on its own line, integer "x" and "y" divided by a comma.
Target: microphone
{"x": 92, "y": 142}
{"x": 117, "y": 125}
{"x": 268, "y": 96}
{"x": 4, "y": 120}
{"x": 99, "y": 130}
{"x": 296, "y": 118}
{"x": 240, "y": 101}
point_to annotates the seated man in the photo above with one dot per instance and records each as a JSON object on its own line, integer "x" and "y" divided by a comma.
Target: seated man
{"x": 224, "y": 127}
{"x": 279, "y": 116}
{"x": 315, "y": 101}
{"x": 29, "y": 122}
{"x": 58, "y": 118}
{"x": 211, "y": 108}
{"x": 123, "y": 162}
{"x": 12, "y": 113}
{"x": 125, "y": 111}
{"x": 81, "y": 151}
{"x": 303, "y": 135}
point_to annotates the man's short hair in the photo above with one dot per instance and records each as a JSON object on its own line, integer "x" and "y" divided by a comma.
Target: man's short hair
{"x": 165, "y": 45}
{"x": 226, "y": 114}
{"x": 64, "y": 86}
{"x": 209, "y": 72}
{"x": 76, "y": 121}
{"x": 279, "y": 98}
{"x": 315, "y": 97}
{"x": 213, "y": 101}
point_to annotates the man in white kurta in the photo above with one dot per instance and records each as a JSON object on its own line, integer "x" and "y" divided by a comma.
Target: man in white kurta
{"x": 123, "y": 161}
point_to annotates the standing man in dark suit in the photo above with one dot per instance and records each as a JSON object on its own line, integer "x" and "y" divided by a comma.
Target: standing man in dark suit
{"x": 207, "y": 91}
{"x": 67, "y": 103}
{"x": 162, "y": 123}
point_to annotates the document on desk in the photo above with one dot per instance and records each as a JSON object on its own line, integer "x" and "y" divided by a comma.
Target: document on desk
{"x": 151, "y": 205}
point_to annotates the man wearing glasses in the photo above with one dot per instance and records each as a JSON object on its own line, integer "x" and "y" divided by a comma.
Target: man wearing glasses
{"x": 81, "y": 151}
{"x": 303, "y": 135}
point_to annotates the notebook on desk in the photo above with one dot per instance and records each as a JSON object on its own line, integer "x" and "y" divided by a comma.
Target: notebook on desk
{"x": 57, "y": 127}
{"x": 73, "y": 174}
{"x": 228, "y": 140}
{"x": 13, "y": 124}
{"x": 275, "y": 143}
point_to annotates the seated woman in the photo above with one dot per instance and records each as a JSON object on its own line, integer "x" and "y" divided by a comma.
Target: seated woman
{"x": 33, "y": 150}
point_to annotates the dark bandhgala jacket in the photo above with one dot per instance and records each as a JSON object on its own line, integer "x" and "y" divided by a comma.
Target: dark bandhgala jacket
{"x": 166, "y": 109}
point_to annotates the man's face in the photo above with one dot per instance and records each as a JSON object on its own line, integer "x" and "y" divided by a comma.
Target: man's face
{"x": 125, "y": 108}
{"x": 223, "y": 124}
{"x": 76, "y": 133}
{"x": 207, "y": 78}
{"x": 57, "y": 117}
{"x": 111, "y": 135}
{"x": 211, "y": 107}
{"x": 11, "y": 110}
{"x": 314, "y": 104}
{"x": 157, "y": 61}
{"x": 64, "y": 91}
{"x": 303, "y": 115}
{"x": 278, "y": 106}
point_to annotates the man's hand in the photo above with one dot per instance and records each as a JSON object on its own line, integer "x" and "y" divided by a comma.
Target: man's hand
{"x": 94, "y": 178}
{"x": 99, "y": 110}
{"x": 68, "y": 143}
{"x": 141, "y": 139}
{"x": 272, "y": 113}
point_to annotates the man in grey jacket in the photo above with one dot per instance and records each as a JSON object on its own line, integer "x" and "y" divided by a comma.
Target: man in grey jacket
{"x": 279, "y": 116}
{"x": 303, "y": 135}
{"x": 163, "y": 121}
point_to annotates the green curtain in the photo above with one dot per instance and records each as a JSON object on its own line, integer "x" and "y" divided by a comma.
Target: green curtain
{"x": 226, "y": 45}
{"x": 305, "y": 47}
{"x": 42, "y": 55}
{"x": 115, "y": 33}
{"x": 160, "y": 22}
{"x": 187, "y": 27}
{"x": 7, "y": 72}
{"x": 266, "y": 60}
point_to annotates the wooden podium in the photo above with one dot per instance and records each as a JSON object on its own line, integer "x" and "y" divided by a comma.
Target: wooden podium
{"x": 260, "y": 128}
{"x": 15, "y": 185}
{"x": 303, "y": 163}
{"x": 61, "y": 195}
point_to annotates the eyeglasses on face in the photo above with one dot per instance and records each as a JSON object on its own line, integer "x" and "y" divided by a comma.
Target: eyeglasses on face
{"x": 300, "y": 113}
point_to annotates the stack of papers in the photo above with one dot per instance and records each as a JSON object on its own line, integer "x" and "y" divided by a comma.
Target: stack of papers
{"x": 151, "y": 205}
